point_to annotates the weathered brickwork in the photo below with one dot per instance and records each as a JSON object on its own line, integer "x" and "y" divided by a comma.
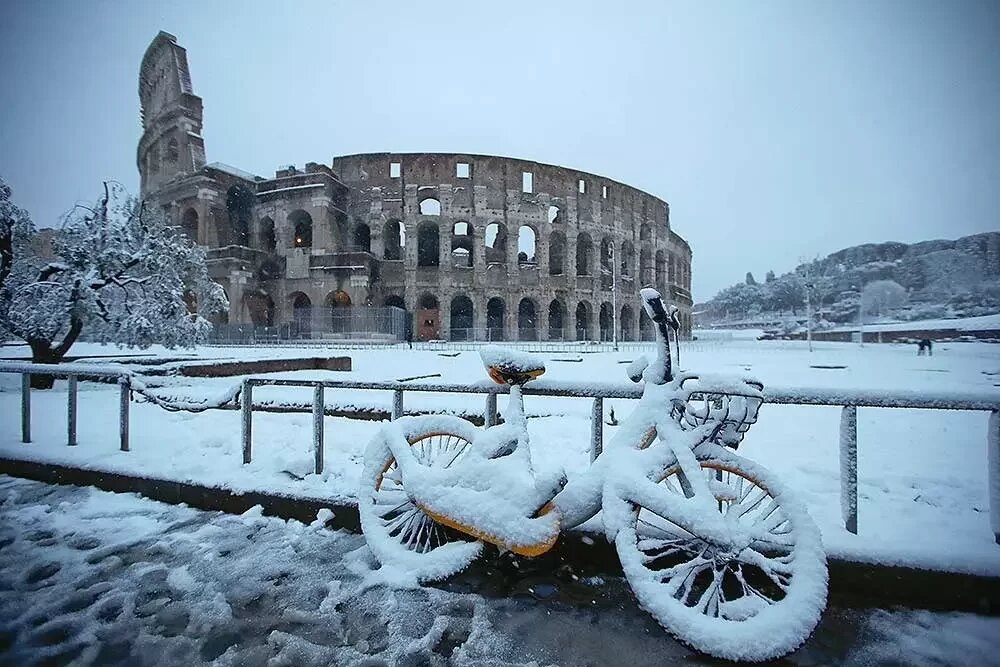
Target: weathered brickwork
{"x": 476, "y": 246}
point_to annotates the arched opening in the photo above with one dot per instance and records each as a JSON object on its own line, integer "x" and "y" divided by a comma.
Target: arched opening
{"x": 362, "y": 238}
{"x": 645, "y": 232}
{"x": 495, "y": 241}
{"x": 495, "y": 311}
{"x": 557, "y": 315}
{"x": 606, "y": 322}
{"x": 461, "y": 319}
{"x": 646, "y": 266}
{"x": 268, "y": 242}
{"x": 430, "y": 206}
{"x": 627, "y": 324}
{"x": 645, "y": 328}
{"x": 301, "y": 313}
{"x": 584, "y": 252}
{"x": 557, "y": 253}
{"x": 428, "y": 253}
{"x": 189, "y": 224}
{"x": 661, "y": 270}
{"x": 240, "y": 201}
{"x": 554, "y": 215}
{"x": 461, "y": 245}
{"x": 427, "y": 318}
{"x": 302, "y": 228}
{"x": 607, "y": 264}
{"x": 525, "y": 246}
{"x": 526, "y": 324}
{"x": 395, "y": 301}
{"x": 627, "y": 259}
{"x": 260, "y": 307}
{"x": 583, "y": 321}
{"x": 339, "y": 303}
{"x": 394, "y": 240}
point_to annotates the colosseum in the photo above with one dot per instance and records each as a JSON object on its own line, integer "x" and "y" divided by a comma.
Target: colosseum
{"x": 471, "y": 247}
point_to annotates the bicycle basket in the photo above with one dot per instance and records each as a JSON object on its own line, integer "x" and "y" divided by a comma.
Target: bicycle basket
{"x": 731, "y": 406}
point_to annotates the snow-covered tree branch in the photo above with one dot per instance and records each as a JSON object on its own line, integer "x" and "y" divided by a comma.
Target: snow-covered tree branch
{"x": 121, "y": 272}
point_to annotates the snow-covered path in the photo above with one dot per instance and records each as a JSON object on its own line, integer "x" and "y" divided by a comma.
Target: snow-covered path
{"x": 95, "y": 578}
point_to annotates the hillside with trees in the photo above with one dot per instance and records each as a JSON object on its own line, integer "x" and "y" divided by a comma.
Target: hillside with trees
{"x": 931, "y": 279}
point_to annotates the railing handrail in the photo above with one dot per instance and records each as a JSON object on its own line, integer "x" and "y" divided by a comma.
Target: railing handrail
{"x": 847, "y": 400}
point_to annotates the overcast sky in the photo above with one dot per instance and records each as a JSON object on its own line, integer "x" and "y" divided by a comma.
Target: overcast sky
{"x": 776, "y": 130}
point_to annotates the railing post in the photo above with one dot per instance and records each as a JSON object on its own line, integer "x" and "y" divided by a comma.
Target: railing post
{"x": 849, "y": 467}
{"x": 318, "y": 427}
{"x": 597, "y": 429}
{"x": 25, "y": 407}
{"x": 124, "y": 389}
{"x": 993, "y": 471}
{"x": 71, "y": 411}
{"x": 397, "y": 404}
{"x": 490, "y": 417}
{"x": 246, "y": 412}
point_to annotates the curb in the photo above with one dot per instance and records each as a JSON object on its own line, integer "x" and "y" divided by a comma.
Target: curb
{"x": 852, "y": 583}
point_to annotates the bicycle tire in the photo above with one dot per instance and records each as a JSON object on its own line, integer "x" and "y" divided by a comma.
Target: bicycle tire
{"x": 778, "y": 600}
{"x": 398, "y": 533}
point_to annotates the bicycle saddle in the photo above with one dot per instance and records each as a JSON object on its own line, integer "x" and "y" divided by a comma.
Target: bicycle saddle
{"x": 506, "y": 366}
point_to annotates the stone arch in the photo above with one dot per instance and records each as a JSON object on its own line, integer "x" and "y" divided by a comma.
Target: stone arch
{"x": 428, "y": 252}
{"x": 361, "y": 238}
{"x": 496, "y": 310}
{"x": 461, "y": 244}
{"x": 661, "y": 270}
{"x": 428, "y": 301}
{"x": 430, "y": 206}
{"x": 627, "y": 258}
{"x": 189, "y": 224}
{"x": 301, "y": 224}
{"x": 394, "y": 239}
{"x": 606, "y": 321}
{"x": 266, "y": 238}
{"x": 557, "y": 253}
{"x": 461, "y": 326}
{"x": 554, "y": 216}
{"x": 301, "y": 307}
{"x": 607, "y": 265}
{"x": 495, "y": 241}
{"x": 583, "y": 315}
{"x": 557, "y": 320}
{"x": 645, "y": 232}
{"x": 395, "y": 301}
{"x": 339, "y": 300}
{"x": 584, "y": 255}
{"x": 240, "y": 201}
{"x": 627, "y": 323}
{"x": 526, "y": 237}
{"x": 527, "y": 316}
{"x": 646, "y": 265}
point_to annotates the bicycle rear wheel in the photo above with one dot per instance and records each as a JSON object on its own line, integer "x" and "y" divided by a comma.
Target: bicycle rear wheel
{"x": 398, "y": 533}
{"x": 756, "y": 605}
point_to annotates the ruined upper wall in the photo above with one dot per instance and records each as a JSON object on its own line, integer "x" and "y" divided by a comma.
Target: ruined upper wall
{"x": 500, "y": 177}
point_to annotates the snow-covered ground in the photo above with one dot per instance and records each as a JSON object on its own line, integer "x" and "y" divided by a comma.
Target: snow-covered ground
{"x": 90, "y": 578}
{"x": 922, "y": 473}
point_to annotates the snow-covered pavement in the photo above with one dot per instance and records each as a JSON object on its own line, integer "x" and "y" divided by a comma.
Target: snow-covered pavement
{"x": 94, "y": 578}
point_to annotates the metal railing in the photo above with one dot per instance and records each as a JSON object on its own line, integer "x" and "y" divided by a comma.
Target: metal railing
{"x": 848, "y": 400}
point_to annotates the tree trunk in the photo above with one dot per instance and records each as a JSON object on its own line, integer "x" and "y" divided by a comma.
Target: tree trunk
{"x": 42, "y": 353}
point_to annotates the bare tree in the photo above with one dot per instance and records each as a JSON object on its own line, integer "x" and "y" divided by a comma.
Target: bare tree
{"x": 121, "y": 271}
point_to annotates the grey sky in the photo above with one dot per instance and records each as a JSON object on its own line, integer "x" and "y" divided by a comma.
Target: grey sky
{"x": 775, "y": 129}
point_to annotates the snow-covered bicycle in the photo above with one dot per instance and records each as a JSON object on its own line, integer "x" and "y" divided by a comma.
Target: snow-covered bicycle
{"x": 714, "y": 547}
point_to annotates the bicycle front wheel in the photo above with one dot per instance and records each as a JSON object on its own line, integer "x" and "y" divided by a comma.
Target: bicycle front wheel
{"x": 398, "y": 532}
{"x": 755, "y": 605}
